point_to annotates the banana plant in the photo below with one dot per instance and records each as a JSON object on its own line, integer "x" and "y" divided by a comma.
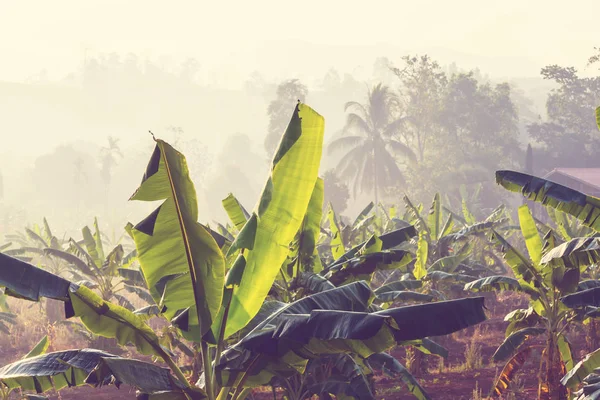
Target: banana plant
{"x": 211, "y": 300}
{"x": 110, "y": 273}
{"x": 545, "y": 276}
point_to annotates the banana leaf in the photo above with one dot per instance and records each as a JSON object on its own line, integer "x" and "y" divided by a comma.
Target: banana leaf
{"x": 492, "y": 283}
{"x": 25, "y": 281}
{"x": 88, "y": 366}
{"x": 280, "y": 212}
{"x": 577, "y": 253}
{"x": 363, "y": 266}
{"x": 585, "y": 208}
{"x": 173, "y": 248}
{"x": 393, "y": 368}
{"x": 236, "y": 212}
{"x": 582, "y": 369}
{"x": 511, "y": 344}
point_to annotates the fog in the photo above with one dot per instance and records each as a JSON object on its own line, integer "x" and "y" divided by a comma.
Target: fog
{"x": 83, "y": 83}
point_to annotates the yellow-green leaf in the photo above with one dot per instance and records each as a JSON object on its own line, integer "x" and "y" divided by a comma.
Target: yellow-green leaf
{"x": 236, "y": 212}
{"x": 422, "y": 252}
{"x": 533, "y": 241}
{"x": 280, "y": 211}
{"x": 181, "y": 261}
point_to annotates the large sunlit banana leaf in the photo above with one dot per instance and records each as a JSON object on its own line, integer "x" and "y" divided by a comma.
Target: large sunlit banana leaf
{"x": 280, "y": 212}
{"x": 585, "y": 208}
{"x": 113, "y": 321}
{"x": 533, "y": 241}
{"x": 236, "y": 212}
{"x": 181, "y": 261}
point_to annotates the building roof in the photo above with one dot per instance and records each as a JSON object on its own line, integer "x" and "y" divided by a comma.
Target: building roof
{"x": 587, "y": 176}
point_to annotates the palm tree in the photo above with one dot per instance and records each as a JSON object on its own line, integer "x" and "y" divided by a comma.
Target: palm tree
{"x": 370, "y": 134}
{"x": 108, "y": 156}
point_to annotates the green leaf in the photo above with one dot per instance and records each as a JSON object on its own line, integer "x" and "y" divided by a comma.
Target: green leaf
{"x": 391, "y": 296}
{"x": 281, "y": 209}
{"x": 576, "y": 253}
{"x": 309, "y": 231}
{"x": 492, "y": 283}
{"x": 362, "y": 215}
{"x": 562, "y": 198}
{"x": 439, "y": 276}
{"x": 399, "y": 286}
{"x": 415, "y": 215}
{"x": 25, "y": 281}
{"x": 421, "y": 262}
{"x": 336, "y": 244}
{"x": 71, "y": 259}
{"x": 113, "y": 321}
{"x": 363, "y": 266}
{"x": 393, "y": 368}
{"x": 521, "y": 265}
{"x": 39, "y": 348}
{"x": 434, "y": 218}
{"x": 589, "y": 297}
{"x": 53, "y": 370}
{"x": 180, "y": 259}
{"x": 598, "y": 117}
{"x": 582, "y": 369}
{"x": 531, "y": 234}
{"x": 427, "y": 346}
{"x": 236, "y": 212}
{"x": 37, "y": 238}
{"x": 564, "y": 347}
{"x": 91, "y": 246}
{"x": 469, "y": 218}
{"x": 511, "y": 344}
{"x": 98, "y": 240}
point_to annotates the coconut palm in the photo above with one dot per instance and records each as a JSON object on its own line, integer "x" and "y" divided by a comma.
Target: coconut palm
{"x": 370, "y": 135}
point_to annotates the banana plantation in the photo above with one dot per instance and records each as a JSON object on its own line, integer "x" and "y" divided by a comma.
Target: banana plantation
{"x": 288, "y": 300}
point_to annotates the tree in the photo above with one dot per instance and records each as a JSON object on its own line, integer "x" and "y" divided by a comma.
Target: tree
{"x": 423, "y": 84}
{"x": 108, "y": 156}
{"x": 479, "y": 133}
{"x": 336, "y": 192}
{"x": 569, "y": 136}
{"x": 288, "y": 93}
{"x": 371, "y": 133}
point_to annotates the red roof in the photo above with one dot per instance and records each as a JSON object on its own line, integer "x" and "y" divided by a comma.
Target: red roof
{"x": 587, "y": 176}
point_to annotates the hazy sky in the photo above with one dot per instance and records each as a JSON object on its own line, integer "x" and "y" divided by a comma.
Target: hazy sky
{"x": 233, "y": 38}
